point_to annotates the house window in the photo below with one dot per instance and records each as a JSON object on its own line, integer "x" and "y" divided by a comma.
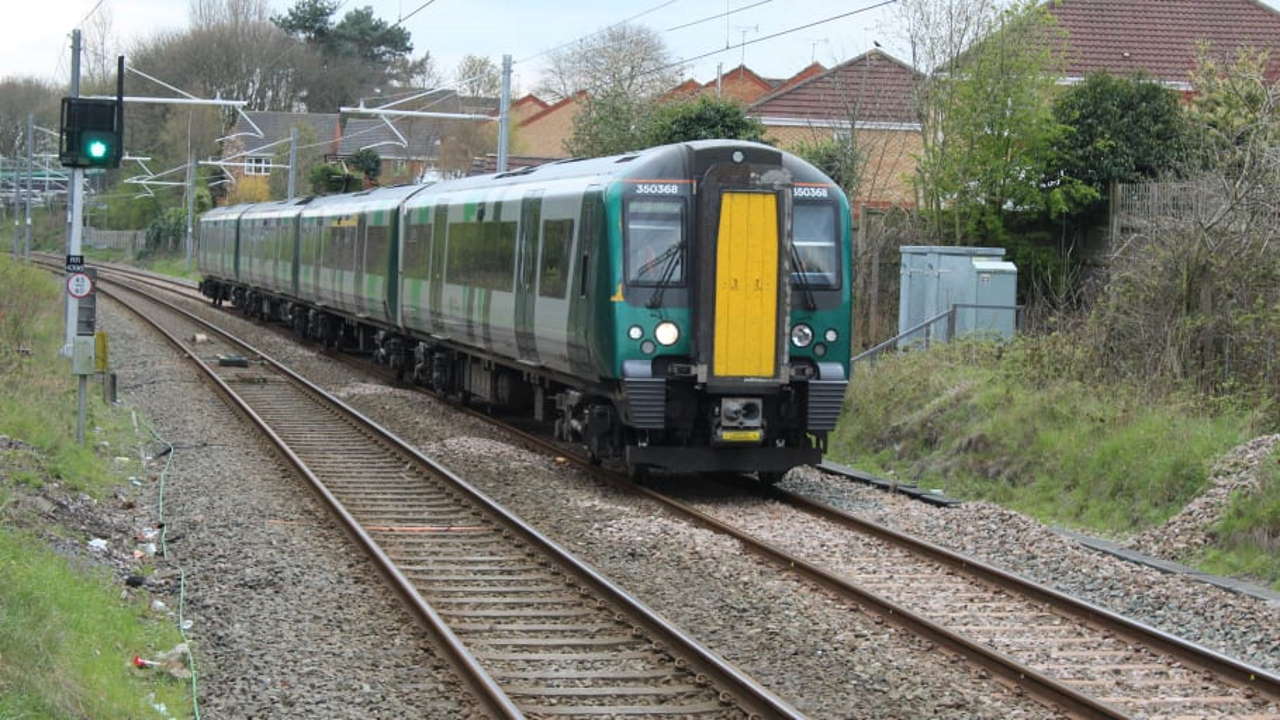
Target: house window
{"x": 257, "y": 166}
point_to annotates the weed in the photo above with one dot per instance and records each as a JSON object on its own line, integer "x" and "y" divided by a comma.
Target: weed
{"x": 66, "y": 640}
{"x": 1248, "y": 534}
{"x": 988, "y": 422}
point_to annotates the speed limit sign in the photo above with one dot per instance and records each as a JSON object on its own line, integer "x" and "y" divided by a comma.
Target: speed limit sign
{"x": 79, "y": 285}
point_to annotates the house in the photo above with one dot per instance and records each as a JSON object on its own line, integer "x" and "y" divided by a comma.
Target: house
{"x": 407, "y": 151}
{"x": 261, "y": 139}
{"x": 741, "y": 84}
{"x": 1160, "y": 37}
{"x": 544, "y": 132}
{"x": 871, "y": 95}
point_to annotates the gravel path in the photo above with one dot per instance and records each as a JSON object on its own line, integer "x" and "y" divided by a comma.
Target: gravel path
{"x": 1236, "y": 625}
{"x": 289, "y": 620}
{"x": 828, "y": 659}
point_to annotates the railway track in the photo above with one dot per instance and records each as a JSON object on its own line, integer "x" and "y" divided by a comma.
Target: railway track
{"x": 532, "y": 631}
{"x": 1073, "y": 655}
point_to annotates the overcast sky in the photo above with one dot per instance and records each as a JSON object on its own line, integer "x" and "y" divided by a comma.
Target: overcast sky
{"x": 34, "y": 34}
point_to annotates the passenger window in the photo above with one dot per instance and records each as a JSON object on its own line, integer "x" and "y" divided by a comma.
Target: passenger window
{"x": 417, "y": 243}
{"x": 553, "y": 272}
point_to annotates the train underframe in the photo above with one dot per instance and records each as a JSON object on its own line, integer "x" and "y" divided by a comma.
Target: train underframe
{"x": 657, "y": 418}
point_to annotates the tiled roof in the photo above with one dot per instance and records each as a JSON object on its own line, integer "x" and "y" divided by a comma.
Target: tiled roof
{"x": 421, "y": 135}
{"x": 874, "y": 87}
{"x": 488, "y": 164}
{"x": 812, "y": 69}
{"x": 576, "y": 97}
{"x": 276, "y": 125}
{"x": 742, "y": 72}
{"x": 1159, "y": 37}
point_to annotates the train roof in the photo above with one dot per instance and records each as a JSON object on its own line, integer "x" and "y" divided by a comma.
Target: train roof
{"x": 677, "y": 160}
{"x": 365, "y": 200}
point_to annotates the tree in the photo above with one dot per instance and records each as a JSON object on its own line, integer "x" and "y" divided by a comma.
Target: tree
{"x": 702, "y": 118}
{"x": 629, "y": 59}
{"x": 369, "y": 163}
{"x": 988, "y": 127}
{"x": 18, "y": 96}
{"x": 478, "y": 76}
{"x": 609, "y": 122}
{"x": 350, "y": 58}
{"x": 1119, "y": 130}
{"x": 623, "y": 70}
{"x": 325, "y": 179}
{"x": 837, "y": 159}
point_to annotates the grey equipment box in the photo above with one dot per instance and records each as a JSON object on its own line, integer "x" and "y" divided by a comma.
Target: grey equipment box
{"x": 935, "y": 278}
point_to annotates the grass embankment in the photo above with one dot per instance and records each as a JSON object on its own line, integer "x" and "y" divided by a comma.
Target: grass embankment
{"x": 173, "y": 265}
{"x": 1249, "y": 533}
{"x": 65, "y": 635}
{"x": 985, "y": 422}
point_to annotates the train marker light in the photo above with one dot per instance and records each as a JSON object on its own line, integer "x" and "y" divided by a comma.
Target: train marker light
{"x": 831, "y": 335}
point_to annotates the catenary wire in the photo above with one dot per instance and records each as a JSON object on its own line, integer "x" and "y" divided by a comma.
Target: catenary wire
{"x": 717, "y": 17}
{"x": 638, "y": 15}
{"x": 753, "y": 41}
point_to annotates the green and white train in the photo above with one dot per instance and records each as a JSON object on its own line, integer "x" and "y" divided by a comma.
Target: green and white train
{"x": 686, "y": 307}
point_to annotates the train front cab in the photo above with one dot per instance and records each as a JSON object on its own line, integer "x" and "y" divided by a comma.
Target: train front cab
{"x": 759, "y": 303}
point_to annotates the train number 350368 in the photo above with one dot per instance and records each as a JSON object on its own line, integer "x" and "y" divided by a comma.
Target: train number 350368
{"x": 809, "y": 192}
{"x": 657, "y": 189}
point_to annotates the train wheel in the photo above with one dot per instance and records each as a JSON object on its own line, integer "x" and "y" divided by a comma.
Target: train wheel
{"x": 638, "y": 473}
{"x": 770, "y": 478}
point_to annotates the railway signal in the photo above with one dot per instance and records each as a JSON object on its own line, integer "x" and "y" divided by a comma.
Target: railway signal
{"x": 93, "y": 129}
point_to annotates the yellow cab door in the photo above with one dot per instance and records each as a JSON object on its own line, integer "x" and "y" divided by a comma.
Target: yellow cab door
{"x": 746, "y": 299}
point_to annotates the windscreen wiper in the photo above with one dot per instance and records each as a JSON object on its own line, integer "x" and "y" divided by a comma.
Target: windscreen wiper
{"x": 671, "y": 256}
{"x": 798, "y": 272}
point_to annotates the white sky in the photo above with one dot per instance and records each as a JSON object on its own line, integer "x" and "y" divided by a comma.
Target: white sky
{"x": 34, "y": 35}
{"x": 34, "y": 39}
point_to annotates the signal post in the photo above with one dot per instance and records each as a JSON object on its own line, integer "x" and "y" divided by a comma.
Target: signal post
{"x": 92, "y": 135}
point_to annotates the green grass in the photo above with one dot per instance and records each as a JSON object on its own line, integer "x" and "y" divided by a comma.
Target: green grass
{"x": 65, "y": 635}
{"x": 38, "y": 393}
{"x": 66, "y": 641}
{"x": 171, "y": 264}
{"x": 988, "y": 423}
{"x": 1248, "y": 535}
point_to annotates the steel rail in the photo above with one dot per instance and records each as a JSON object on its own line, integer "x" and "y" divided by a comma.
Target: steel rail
{"x": 1043, "y": 687}
{"x": 482, "y": 685}
{"x": 742, "y": 690}
{"x": 1220, "y": 665}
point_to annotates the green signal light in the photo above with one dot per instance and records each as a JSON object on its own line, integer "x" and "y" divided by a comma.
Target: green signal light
{"x": 97, "y": 149}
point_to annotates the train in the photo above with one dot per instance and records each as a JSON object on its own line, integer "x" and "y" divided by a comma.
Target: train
{"x": 686, "y": 308}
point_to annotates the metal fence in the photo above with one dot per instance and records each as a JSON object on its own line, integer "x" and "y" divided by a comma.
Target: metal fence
{"x": 131, "y": 241}
{"x": 939, "y": 328}
{"x": 1138, "y": 205}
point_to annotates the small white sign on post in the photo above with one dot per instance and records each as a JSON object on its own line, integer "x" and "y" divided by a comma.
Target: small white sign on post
{"x": 79, "y": 285}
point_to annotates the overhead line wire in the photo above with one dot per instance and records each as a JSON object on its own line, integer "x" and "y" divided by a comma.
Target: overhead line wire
{"x": 91, "y": 12}
{"x": 753, "y": 41}
{"x": 638, "y": 15}
{"x": 415, "y": 12}
{"x": 716, "y": 17}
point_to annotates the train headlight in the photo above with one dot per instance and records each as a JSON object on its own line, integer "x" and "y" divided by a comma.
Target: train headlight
{"x": 831, "y": 335}
{"x": 635, "y": 332}
{"x": 801, "y": 335}
{"x": 666, "y": 333}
